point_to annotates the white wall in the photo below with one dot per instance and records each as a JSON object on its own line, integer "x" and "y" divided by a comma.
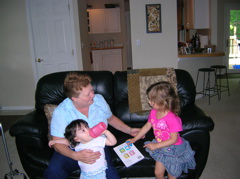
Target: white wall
{"x": 156, "y": 49}
{"x": 213, "y": 21}
{"x": 16, "y": 75}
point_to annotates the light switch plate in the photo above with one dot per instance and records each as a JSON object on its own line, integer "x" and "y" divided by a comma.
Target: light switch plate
{"x": 138, "y": 42}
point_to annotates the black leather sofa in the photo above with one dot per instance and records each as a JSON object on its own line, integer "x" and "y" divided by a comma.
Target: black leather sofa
{"x": 31, "y": 130}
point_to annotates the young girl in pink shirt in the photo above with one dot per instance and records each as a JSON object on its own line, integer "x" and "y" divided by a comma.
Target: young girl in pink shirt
{"x": 170, "y": 151}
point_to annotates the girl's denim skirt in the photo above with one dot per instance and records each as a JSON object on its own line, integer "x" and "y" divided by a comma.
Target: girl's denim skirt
{"x": 175, "y": 158}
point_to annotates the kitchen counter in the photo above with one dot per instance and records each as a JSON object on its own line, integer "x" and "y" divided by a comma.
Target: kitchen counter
{"x": 192, "y": 62}
{"x": 106, "y": 48}
{"x": 213, "y": 54}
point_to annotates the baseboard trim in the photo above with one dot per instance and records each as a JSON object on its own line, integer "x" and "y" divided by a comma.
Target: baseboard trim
{"x": 16, "y": 108}
{"x": 198, "y": 96}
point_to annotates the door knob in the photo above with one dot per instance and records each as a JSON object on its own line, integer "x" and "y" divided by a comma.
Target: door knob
{"x": 39, "y": 60}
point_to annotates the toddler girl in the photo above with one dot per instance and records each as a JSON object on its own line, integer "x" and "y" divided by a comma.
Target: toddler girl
{"x": 77, "y": 135}
{"x": 168, "y": 149}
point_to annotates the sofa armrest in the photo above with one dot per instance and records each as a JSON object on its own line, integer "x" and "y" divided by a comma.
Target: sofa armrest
{"x": 194, "y": 118}
{"x": 30, "y": 133}
{"x": 32, "y": 124}
{"x": 200, "y": 143}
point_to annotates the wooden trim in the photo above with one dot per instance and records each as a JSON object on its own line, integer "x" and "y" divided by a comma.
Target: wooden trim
{"x": 213, "y": 54}
{"x": 106, "y": 48}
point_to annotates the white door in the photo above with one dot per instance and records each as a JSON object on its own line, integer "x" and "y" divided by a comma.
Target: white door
{"x": 85, "y": 45}
{"x": 52, "y": 36}
{"x": 232, "y": 36}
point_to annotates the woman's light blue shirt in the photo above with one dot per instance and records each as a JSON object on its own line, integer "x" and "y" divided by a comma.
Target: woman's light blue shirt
{"x": 66, "y": 112}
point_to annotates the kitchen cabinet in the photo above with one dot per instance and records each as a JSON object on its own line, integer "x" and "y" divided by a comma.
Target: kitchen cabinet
{"x": 180, "y": 14}
{"x": 109, "y": 59}
{"x": 196, "y": 14}
{"x": 104, "y": 20}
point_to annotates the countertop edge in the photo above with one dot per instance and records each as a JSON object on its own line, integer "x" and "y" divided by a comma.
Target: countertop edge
{"x": 106, "y": 48}
{"x": 213, "y": 54}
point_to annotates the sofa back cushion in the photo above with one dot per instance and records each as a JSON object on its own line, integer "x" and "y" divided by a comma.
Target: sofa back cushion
{"x": 186, "y": 87}
{"x": 186, "y": 91}
{"x": 50, "y": 87}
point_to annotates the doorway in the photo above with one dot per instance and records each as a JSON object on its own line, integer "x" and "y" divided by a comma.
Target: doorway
{"x": 122, "y": 38}
{"x": 52, "y": 36}
{"x": 232, "y": 36}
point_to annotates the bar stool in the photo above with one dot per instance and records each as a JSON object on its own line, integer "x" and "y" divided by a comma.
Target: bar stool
{"x": 221, "y": 72}
{"x": 208, "y": 89}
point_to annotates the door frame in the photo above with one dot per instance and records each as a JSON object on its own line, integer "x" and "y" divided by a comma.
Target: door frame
{"x": 227, "y": 7}
{"x": 75, "y": 28}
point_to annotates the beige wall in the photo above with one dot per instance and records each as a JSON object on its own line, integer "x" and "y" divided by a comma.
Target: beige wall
{"x": 16, "y": 74}
{"x": 156, "y": 49}
{"x": 17, "y": 67}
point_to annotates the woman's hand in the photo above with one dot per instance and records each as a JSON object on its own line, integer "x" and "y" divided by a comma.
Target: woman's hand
{"x": 87, "y": 156}
{"x": 134, "y": 131}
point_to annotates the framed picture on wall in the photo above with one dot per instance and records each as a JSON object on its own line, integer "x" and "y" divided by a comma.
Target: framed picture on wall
{"x": 153, "y": 18}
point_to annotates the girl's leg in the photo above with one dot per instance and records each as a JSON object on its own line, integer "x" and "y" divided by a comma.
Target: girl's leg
{"x": 159, "y": 170}
{"x": 171, "y": 177}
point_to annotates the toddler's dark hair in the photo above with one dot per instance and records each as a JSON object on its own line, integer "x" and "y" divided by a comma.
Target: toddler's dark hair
{"x": 70, "y": 131}
{"x": 163, "y": 94}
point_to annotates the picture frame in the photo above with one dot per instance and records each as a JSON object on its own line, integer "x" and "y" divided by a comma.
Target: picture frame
{"x": 153, "y": 18}
{"x": 187, "y": 50}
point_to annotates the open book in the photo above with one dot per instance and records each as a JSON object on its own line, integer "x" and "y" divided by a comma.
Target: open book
{"x": 128, "y": 154}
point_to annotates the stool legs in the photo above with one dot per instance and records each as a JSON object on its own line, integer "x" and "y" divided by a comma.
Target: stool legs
{"x": 207, "y": 90}
{"x": 227, "y": 82}
{"x": 220, "y": 76}
{"x": 215, "y": 88}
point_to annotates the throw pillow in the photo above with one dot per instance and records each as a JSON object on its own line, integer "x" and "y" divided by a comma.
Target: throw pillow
{"x": 139, "y": 80}
{"x": 145, "y": 82}
{"x": 48, "y": 109}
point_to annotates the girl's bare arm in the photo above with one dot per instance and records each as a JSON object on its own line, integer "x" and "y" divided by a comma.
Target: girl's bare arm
{"x": 111, "y": 139}
{"x": 141, "y": 133}
{"x": 171, "y": 141}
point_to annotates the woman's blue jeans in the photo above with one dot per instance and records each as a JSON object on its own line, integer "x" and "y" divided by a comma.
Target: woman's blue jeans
{"x": 60, "y": 167}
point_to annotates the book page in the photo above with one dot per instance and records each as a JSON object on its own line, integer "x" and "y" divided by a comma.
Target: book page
{"x": 128, "y": 154}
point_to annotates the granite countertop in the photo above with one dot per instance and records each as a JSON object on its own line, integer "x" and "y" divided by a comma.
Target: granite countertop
{"x": 204, "y": 54}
